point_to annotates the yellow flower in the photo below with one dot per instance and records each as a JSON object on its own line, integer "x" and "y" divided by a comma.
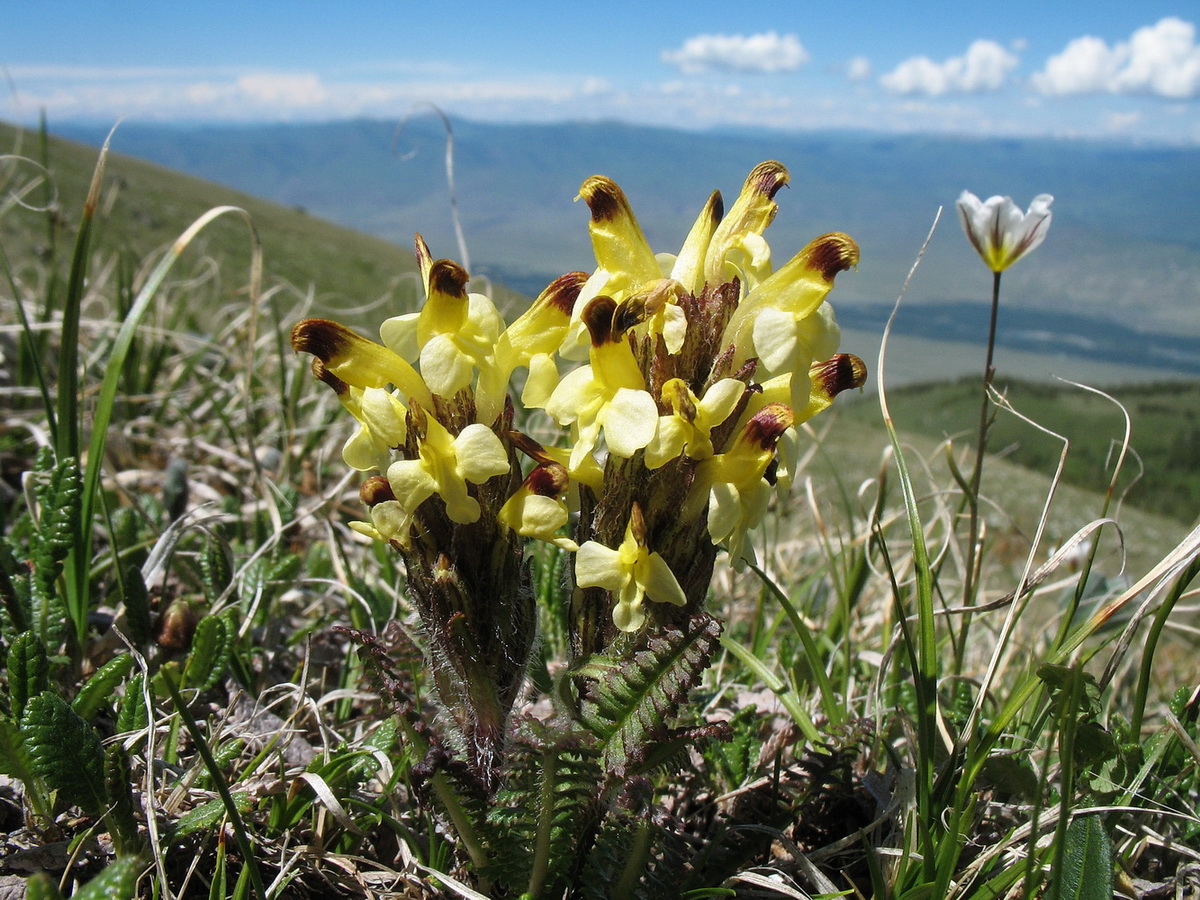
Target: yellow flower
{"x": 999, "y": 231}
{"x": 380, "y": 416}
{"x": 625, "y": 266}
{"x": 784, "y": 320}
{"x": 733, "y": 483}
{"x": 738, "y": 249}
{"x": 806, "y": 395}
{"x": 358, "y": 362}
{"x": 531, "y": 342}
{"x": 687, "y": 428}
{"x": 445, "y": 464}
{"x": 389, "y": 520}
{"x": 537, "y": 509}
{"x": 608, "y": 394}
{"x": 454, "y": 334}
{"x": 630, "y": 572}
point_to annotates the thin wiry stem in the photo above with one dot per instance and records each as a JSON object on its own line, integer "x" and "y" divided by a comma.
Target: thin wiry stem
{"x": 985, "y": 421}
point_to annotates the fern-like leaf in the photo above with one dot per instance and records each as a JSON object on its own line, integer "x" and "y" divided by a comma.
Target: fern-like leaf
{"x": 14, "y": 760}
{"x": 212, "y": 646}
{"x": 216, "y": 567}
{"x": 631, "y": 700}
{"x": 59, "y": 494}
{"x": 117, "y": 882}
{"x": 65, "y": 751}
{"x": 14, "y": 592}
{"x": 541, "y": 820}
{"x": 137, "y": 609}
{"x": 99, "y": 689}
{"x": 132, "y": 715}
{"x": 28, "y": 671}
{"x": 117, "y": 778}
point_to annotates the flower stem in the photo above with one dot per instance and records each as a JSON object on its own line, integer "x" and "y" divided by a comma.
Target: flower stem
{"x": 970, "y": 585}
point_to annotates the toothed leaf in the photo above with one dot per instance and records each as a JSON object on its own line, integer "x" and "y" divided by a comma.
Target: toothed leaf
{"x": 137, "y": 608}
{"x": 132, "y": 714}
{"x": 211, "y": 647}
{"x": 28, "y": 670}
{"x": 631, "y": 701}
{"x": 117, "y": 882}
{"x": 65, "y": 752}
{"x": 99, "y": 689}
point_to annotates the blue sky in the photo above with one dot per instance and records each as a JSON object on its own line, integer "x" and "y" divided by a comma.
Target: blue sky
{"x": 1094, "y": 69}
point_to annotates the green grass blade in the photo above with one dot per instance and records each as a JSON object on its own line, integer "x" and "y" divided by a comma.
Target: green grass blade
{"x": 115, "y": 368}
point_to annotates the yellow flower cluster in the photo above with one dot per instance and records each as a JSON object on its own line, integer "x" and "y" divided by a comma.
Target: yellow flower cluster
{"x": 692, "y": 372}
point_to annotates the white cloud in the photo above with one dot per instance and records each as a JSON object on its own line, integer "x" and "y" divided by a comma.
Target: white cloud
{"x": 858, "y": 69}
{"x": 767, "y": 52}
{"x": 1161, "y": 59}
{"x": 985, "y": 67}
{"x": 284, "y": 89}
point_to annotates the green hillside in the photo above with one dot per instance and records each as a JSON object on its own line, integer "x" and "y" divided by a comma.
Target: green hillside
{"x": 144, "y": 207}
{"x": 1161, "y": 476}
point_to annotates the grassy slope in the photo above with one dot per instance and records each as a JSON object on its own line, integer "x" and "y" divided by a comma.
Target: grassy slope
{"x": 1165, "y": 434}
{"x": 145, "y": 207}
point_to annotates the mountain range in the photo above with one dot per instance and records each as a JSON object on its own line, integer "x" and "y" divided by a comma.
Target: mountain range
{"x": 1118, "y": 278}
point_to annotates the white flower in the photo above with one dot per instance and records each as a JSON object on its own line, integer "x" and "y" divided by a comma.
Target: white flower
{"x": 999, "y": 231}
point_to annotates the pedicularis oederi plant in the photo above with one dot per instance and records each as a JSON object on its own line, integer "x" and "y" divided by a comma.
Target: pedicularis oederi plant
{"x": 677, "y": 383}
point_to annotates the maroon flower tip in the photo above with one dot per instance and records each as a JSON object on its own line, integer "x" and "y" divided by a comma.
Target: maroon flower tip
{"x": 323, "y": 375}
{"x": 376, "y": 490}
{"x": 563, "y": 291}
{"x": 765, "y": 427}
{"x": 322, "y": 338}
{"x": 548, "y": 480}
{"x": 448, "y": 277}
{"x": 840, "y": 373}
{"x": 598, "y": 317}
{"x": 832, "y": 253}
{"x": 604, "y": 198}
{"x": 768, "y": 177}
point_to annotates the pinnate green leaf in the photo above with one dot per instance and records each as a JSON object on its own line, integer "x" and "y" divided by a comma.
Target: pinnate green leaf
{"x": 65, "y": 752}
{"x": 28, "y": 670}
{"x": 212, "y": 645}
{"x": 98, "y": 690}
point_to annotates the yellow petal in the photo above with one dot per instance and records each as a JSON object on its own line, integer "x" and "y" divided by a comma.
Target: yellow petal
{"x": 628, "y": 614}
{"x": 659, "y": 581}
{"x": 356, "y": 360}
{"x": 444, "y": 366}
{"x": 480, "y": 454}
{"x": 599, "y": 566}
{"x": 411, "y": 483}
{"x": 541, "y": 381}
{"x": 630, "y": 421}
{"x": 668, "y": 442}
{"x": 617, "y": 239}
{"x": 688, "y": 268}
{"x": 363, "y": 451}
{"x": 752, "y": 212}
{"x": 399, "y": 334}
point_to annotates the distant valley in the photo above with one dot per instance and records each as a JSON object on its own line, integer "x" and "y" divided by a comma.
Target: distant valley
{"x": 1117, "y": 280}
